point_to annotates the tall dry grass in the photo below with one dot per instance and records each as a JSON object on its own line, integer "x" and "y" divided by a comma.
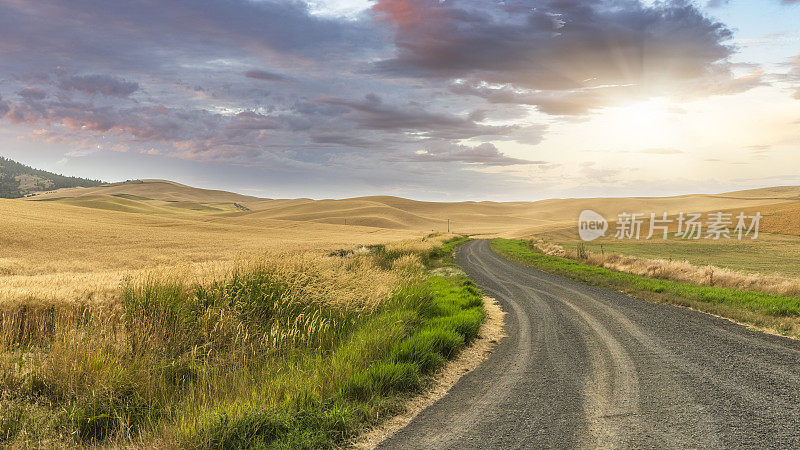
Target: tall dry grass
{"x": 681, "y": 271}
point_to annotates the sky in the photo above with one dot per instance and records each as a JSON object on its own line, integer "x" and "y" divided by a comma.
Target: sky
{"x": 444, "y": 100}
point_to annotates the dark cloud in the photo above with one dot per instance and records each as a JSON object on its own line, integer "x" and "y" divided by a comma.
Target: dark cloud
{"x": 373, "y": 114}
{"x": 137, "y": 34}
{"x": 485, "y": 154}
{"x": 4, "y": 108}
{"x": 151, "y": 123}
{"x": 265, "y": 75}
{"x": 99, "y": 84}
{"x": 561, "y": 45}
{"x": 31, "y": 93}
{"x": 347, "y": 140}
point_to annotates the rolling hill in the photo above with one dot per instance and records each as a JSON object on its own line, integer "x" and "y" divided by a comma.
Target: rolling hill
{"x": 149, "y": 197}
{"x": 18, "y": 180}
{"x": 501, "y": 218}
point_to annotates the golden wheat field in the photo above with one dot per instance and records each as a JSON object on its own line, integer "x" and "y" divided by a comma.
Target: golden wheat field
{"x": 58, "y": 252}
{"x": 78, "y": 244}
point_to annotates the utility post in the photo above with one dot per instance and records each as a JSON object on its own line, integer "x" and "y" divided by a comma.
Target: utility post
{"x": 448, "y": 226}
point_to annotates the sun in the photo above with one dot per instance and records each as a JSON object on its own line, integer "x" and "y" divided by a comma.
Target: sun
{"x": 644, "y": 123}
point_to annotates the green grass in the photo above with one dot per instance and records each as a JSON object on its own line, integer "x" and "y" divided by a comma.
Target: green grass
{"x": 412, "y": 336}
{"x": 746, "y": 255}
{"x": 245, "y": 362}
{"x": 781, "y": 314}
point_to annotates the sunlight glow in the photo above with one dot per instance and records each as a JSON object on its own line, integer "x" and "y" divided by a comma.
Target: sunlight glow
{"x": 643, "y": 123}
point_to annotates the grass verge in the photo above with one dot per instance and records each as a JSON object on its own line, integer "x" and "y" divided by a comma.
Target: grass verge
{"x": 382, "y": 362}
{"x": 775, "y": 313}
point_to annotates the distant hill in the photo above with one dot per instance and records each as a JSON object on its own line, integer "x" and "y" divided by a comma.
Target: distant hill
{"x": 18, "y": 180}
{"x": 163, "y": 197}
{"x": 150, "y": 197}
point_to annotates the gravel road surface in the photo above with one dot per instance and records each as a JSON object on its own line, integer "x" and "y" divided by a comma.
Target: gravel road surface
{"x": 584, "y": 367}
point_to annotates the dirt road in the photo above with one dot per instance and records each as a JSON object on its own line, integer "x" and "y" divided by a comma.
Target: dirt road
{"x": 591, "y": 368}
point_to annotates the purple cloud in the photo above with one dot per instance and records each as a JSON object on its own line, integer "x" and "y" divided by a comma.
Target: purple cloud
{"x": 141, "y": 34}
{"x": 557, "y": 46}
{"x": 99, "y": 84}
{"x": 4, "y": 108}
{"x": 373, "y": 114}
{"x": 32, "y": 93}
{"x": 264, "y": 75}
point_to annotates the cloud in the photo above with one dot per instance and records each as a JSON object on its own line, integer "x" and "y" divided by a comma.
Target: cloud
{"x": 32, "y": 93}
{"x": 249, "y": 120}
{"x": 264, "y": 75}
{"x": 720, "y": 80}
{"x": 4, "y": 108}
{"x": 794, "y": 73}
{"x": 790, "y": 78}
{"x": 721, "y": 3}
{"x": 347, "y": 140}
{"x": 484, "y": 154}
{"x": 591, "y": 171}
{"x": 150, "y": 123}
{"x": 99, "y": 84}
{"x": 662, "y": 151}
{"x": 373, "y": 114}
{"x": 759, "y": 149}
{"x": 141, "y": 34}
{"x": 567, "y": 102}
{"x": 557, "y": 46}
{"x": 167, "y": 77}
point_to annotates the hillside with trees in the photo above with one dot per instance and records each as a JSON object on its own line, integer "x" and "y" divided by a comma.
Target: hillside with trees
{"x": 18, "y": 180}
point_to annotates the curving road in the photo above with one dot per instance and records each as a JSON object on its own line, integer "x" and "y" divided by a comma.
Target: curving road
{"x": 591, "y": 368}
